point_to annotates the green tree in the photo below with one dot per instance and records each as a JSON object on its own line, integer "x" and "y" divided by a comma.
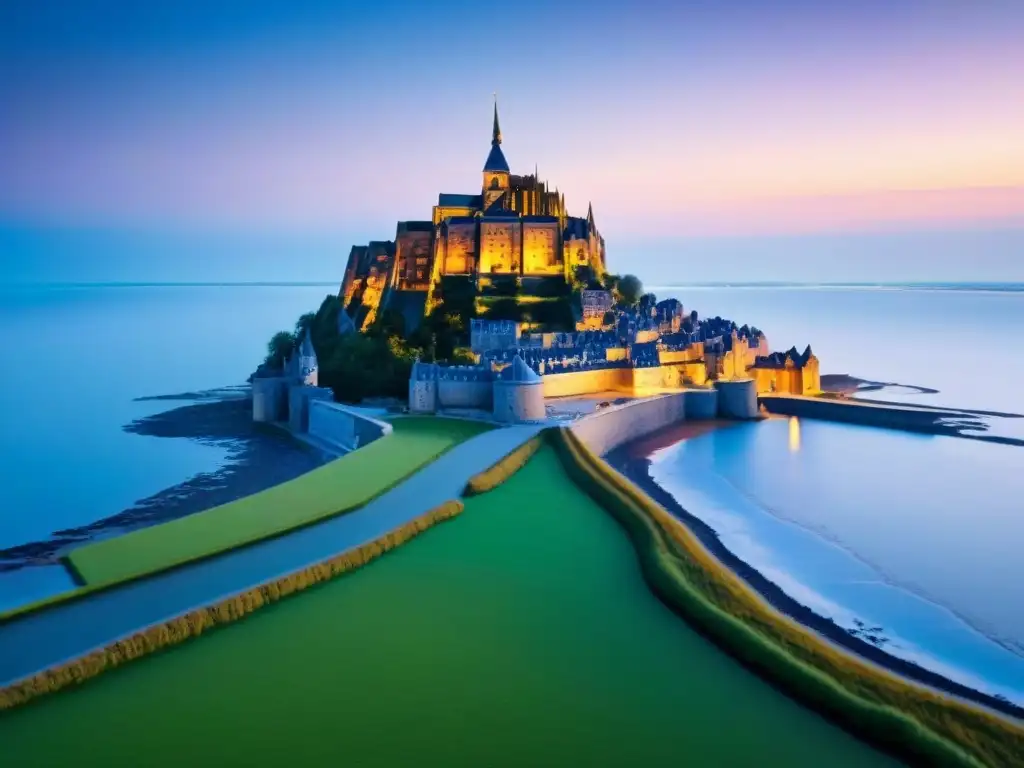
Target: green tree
{"x": 630, "y": 289}
{"x": 303, "y": 324}
{"x": 609, "y": 318}
{"x": 279, "y": 349}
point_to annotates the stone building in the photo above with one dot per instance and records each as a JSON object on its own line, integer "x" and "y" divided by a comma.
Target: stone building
{"x": 595, "y": 305}
{"x": 489, "y": 335}
{"x": 514, "y": 227}
{"x": 792, "y": 373}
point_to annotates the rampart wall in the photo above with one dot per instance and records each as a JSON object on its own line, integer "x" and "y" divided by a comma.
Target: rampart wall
{"x": 891, "y": 417}
{"x": 270, "y": 399}
{"x": 344, "y": 427}
{"x": 609, "y": 428}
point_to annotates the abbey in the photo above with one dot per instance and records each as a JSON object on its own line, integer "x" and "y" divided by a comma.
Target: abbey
{"x": 514, "y": 227}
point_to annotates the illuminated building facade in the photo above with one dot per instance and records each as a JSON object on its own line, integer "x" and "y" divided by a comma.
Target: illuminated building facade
{"x": 514, "y": 227}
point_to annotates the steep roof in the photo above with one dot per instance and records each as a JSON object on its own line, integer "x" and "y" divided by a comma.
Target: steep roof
{"x": 459, "y": 201}
{"x": 519, "y": 371}
{"x": 576, "y": 227}
{"x": 496, "y": 161}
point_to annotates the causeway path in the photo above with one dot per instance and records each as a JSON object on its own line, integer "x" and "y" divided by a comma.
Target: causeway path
{"x": 52, "y": 636}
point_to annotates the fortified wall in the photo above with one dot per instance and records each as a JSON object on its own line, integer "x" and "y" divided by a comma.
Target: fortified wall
{"x": 605, "y": 430}
{"x": 344, "y": 427}
{"x": 625, "y": 379}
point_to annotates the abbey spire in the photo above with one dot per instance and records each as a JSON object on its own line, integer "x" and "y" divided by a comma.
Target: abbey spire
{"x": 496, "y": 132}
{"x": 496, "y": 162}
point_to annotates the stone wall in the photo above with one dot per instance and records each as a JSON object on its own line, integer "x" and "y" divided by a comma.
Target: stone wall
{"x": 460, "y": 248}
{"x": 516, "y": 401}
{"x": 464, "y": 394}
{"x": 270, "y": 399}
{"x": 345, "y": 428}
{"x": 737, "y": 399}
{"x": 422, "y": 395}
{"x": 299, "y": 398}
{"x": 540, "y": 249}
{"x": 888, "y": 416}
{"x": 609, "y": 428}
{"x": 701, "y": 404}
{"x": 587, "y": 382}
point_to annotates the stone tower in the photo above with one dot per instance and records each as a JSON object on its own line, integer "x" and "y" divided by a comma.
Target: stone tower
{"x": 496, "y": 170}
{"x": 308, "y": 365}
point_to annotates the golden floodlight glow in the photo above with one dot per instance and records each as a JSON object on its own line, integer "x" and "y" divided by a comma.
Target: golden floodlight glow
{"x": 794, "y": 434}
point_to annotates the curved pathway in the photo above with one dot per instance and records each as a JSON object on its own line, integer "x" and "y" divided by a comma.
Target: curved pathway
{"x": 38, "y": 641}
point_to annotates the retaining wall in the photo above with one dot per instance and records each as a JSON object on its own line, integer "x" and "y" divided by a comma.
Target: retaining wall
{"x": 464, "y": 394}
{"x": 609, "y": 428}
{"x": 701, "y": 404}
{"x": 737, "y": 399}
{"x": 299, "y": 398}
{"x": 891, "y": 417}
{"x": 270, "y": 399}
{"x": 343, "y": 427}
{"x": 519, "y": 401}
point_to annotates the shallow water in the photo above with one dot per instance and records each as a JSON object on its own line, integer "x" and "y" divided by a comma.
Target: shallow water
{"x": 916, "y": 537}
{"x": 961, "y": 343}
{"x": 520, "y": 633}
{"x": 81, "y": 356}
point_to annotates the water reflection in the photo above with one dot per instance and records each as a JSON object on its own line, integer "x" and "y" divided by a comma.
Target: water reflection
{"x": 844, "y": 529}
{"x": 794, "y": 434}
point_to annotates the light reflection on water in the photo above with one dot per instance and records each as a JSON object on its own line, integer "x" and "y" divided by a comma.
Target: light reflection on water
{"x": 794, "y": 434}
{"x": 909, "y": 541}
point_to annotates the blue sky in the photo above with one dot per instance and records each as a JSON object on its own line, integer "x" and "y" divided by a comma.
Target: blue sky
{"x": 784, "y": 140}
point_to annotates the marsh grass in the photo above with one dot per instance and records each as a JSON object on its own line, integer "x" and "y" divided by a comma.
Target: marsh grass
{"x": 910, "y": 721}
{"x": 336, "y": 488}
{"x": 503, "y": 469}
{"x": 195, "y": 623}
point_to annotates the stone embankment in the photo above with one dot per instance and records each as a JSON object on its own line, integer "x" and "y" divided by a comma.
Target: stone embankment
{"x": 607, "y": 429}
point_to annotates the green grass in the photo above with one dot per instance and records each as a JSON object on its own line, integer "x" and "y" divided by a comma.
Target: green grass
{"x": 924, "y": 726}
{"x": 339, "y": 486}
{"x": 519, "y": 634}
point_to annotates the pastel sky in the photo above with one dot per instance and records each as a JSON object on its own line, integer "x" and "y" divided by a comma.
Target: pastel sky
{"x": 686, "y": 122}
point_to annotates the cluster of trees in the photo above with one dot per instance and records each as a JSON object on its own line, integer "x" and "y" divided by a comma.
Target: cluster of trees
{"x": 377, "y": 362}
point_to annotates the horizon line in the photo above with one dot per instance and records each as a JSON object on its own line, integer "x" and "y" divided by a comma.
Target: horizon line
{"x": 1011, "y": 286}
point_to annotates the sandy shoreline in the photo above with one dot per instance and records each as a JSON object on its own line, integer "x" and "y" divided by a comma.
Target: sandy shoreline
{"x": 258, "y": 457}
{"x": 632, "y": 460}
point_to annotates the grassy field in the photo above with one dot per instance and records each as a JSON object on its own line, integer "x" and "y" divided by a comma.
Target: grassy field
{"x": 520, "y": 633}
{"x": 341, "y": 485}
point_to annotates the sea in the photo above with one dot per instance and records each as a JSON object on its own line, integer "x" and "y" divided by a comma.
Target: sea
{"x": 917, "y": 538}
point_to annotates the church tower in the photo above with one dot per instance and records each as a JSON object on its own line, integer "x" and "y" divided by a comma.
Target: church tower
{"x": 496, "y": 170}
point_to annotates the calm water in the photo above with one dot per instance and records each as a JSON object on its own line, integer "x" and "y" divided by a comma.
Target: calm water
{"x": 916, "y": 537}
{"x": 77, "y": 360}
{"x": 963, "y": 343}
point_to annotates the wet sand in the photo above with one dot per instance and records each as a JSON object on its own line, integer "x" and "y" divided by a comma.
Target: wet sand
{"x": 845, "y": 384}
{"x": 259, "y": 457}
{"x": 633, "y": 461}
